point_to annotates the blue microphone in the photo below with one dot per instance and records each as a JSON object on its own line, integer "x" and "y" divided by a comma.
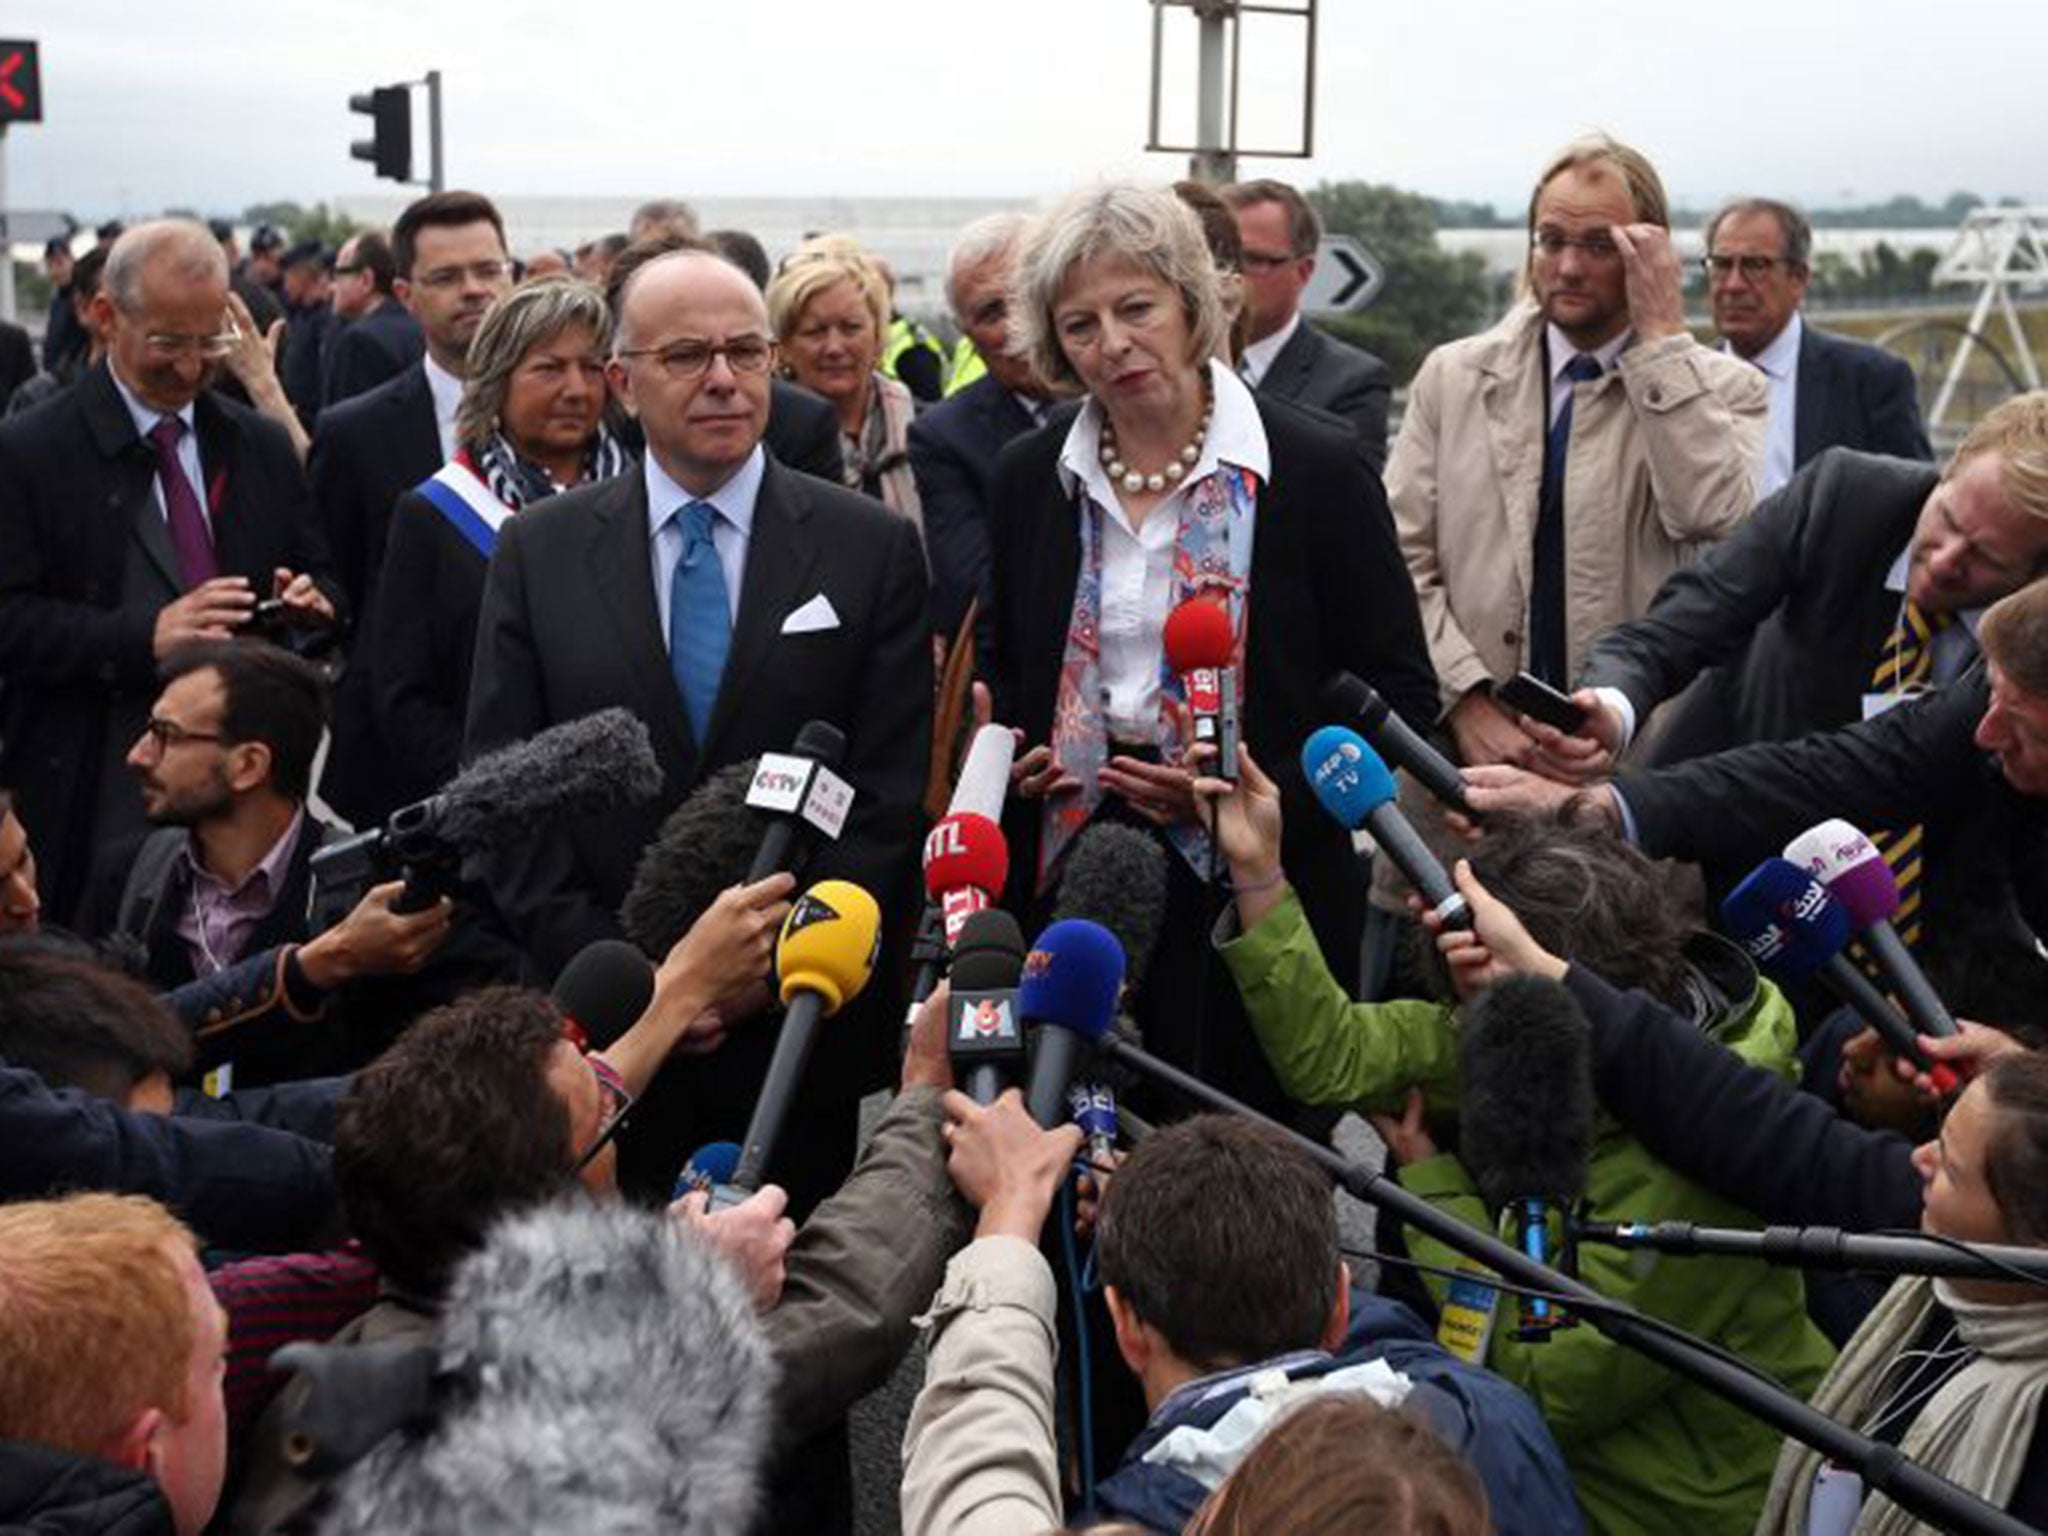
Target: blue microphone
{"x": 709, "y": 1169}
{"x": 1357, "y": 788}
{"x": 1093, "y": 1107}
{"x": 1072, "y": 979}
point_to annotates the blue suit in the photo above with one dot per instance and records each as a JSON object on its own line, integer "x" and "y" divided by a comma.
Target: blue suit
{"x": 1854, "y": 395}
{"x": 953, "y": 451}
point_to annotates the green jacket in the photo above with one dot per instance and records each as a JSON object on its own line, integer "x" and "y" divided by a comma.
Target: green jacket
{"x": 1650, "y": 1453}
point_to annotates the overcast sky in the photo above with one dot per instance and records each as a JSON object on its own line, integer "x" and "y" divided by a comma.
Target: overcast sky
{"x": 215, "y": 104}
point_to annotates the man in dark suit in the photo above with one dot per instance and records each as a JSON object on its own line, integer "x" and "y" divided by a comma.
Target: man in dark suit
{"x": 17, "y": 359}
{"x": 1796, "y": 609}
{"x": 955, "y": 444}
{"x": 138, "y": 511}
{"x": 1826, "y": 391}
{"x": 377, "y": 338}
{"x": 1284, "y": 355}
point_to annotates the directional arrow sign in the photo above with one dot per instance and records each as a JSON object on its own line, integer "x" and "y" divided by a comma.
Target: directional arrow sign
{"x": 21, "y": 84}
{"x": 1346, "y": 279}
{"x": 32, "y": 226}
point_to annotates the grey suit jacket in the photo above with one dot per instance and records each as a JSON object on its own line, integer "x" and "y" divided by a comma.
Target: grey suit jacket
{"x": 1316, "y": 369}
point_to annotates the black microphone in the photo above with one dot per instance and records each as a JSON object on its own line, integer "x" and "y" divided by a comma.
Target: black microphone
{"x": 603, "y": 991}
{"x": 1525, "y": 1113}
{"x": 1827, "y": 1248}
{"x": 984, "y": 1036}
{"x": 1116, "y": 876}
{"x": 1351, "y": 697}
{"x": 706, "y": 845}
{"x": 799, "y": 791}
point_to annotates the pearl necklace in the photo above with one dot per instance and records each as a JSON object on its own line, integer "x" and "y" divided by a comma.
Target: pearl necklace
{"x": 1133, "y": 480}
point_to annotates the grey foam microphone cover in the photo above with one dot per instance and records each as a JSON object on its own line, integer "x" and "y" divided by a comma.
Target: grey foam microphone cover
{"x": 1116, "y": 876}
{"x": 706, "y": 844}
{"x": 598, "y": 763}
{"x": 1525, "y": 1114}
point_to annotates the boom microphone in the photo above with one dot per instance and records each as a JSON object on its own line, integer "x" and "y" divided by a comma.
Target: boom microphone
{"x": 1350, "y": 697}
{"x": 1071, "y": 980}
{"x": 706, "y": 845}
{"x": 1828, "y": 1248}
{"x": 966, "y": 864}
{"x": 1856, "y": 874}
{"x": 1526, "y": 1113}
{"x": 984, "y": 1037}
{"x": 1200, "y": 645}
{"x": 603, "y": 991}
{"x": 1356, "y": 788}
{"x": 1116, "y": 876}
{"x": 798, "y": 790}
{"x": 827, "y": 952}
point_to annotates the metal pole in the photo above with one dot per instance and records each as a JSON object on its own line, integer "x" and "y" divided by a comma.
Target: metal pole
{"x": 1215, "y": 159}
{"x": 436, "y": 180}
{"x": 6, "y": 238}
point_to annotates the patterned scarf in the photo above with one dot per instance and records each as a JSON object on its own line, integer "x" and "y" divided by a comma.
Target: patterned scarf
{"x": 1212, "y": 552}
{"x": 516, "y": 480}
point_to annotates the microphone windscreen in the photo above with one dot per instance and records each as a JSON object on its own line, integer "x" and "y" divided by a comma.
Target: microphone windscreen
{"x": 598, "y": 763}
{"x": 989, "y": 954}
{"x": 604, "y": 989}
{"x": 821, "y": 741}
{"x": 706, "y": 844}
{"x": 965, "y": 849}
{"x": 1072, "y": 978}
{"x": 829, "y": 943}
{"x": 1849, "y": 865}
{"x": 1348, "y": 777}
{"x": 1525, "y": 1116}
{"x": 709, "y": 1166}
{"x": 1198, "y": 634}
{"x": 1116, "y": 876}
{"x": 984, "y": 781}
{"x": 1783, "y": 919}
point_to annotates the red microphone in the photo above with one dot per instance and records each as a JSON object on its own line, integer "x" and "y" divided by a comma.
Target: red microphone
{"x": 966, "y": 864}
{"x": 1199, "y": 646}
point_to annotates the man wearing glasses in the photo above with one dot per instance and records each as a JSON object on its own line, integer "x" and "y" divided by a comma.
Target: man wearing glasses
{"x": 1552, "y": 471}
{"x": 375, "y": 336}
{"x": 1826, "y": 391}
{"x": 138, "y": 510}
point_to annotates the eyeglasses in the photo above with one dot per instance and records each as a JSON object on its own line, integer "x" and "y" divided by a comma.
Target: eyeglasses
{"x": 1265, "y": 261}
{"x": 1551, "y": 244}
{"x": 352, "y": 270}
{"x": 1753, "y": 268}
{"x": 692, "y": 359}
{"x": 482, "y": 272}
{"x": 168, "y": 733}
{"x": 168, "y": 345}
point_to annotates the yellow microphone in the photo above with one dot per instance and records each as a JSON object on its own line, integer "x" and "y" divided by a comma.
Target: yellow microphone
{"x": 825, "y": 956}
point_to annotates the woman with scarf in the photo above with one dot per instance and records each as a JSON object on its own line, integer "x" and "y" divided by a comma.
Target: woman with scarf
{"x": 1176, "y": 484}
{"x": 531, "y": 424}
{"x": 829, "y": 309}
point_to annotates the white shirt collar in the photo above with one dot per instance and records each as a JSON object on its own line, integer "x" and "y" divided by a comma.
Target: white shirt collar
{"x": 1895, "y": 581}
{"x": 1562, "y": 349}
{"x": 1236, "y": 436}
{"x": 1780, "y": 359}
{"x": 147, "y": 416}
{"x": 1259, "y": 355}
{"x": 447, "y": 390}
{"x": 733, "y": 500}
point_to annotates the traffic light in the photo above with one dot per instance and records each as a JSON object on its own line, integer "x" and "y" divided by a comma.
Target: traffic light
{"x": 389, "y": 108}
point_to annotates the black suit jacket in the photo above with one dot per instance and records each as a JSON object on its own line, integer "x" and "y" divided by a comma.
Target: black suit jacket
{"x": 1329, "y": 592}
{"x": 1791, "y": 612}
{"x": 76, "y": 490}
{"x": 369, "y": 350}
{"x": 1854, "y": 395}
{"x": 953, "y": 451}
{"x": 17, "y": 359}
{"x": 1318, "y": 370}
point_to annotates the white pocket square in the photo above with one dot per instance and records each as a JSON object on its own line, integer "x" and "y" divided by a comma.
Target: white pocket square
{"x": 818, "y": 614}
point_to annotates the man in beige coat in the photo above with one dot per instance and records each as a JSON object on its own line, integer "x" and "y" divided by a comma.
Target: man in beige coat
{"x": 1653, "y": 442}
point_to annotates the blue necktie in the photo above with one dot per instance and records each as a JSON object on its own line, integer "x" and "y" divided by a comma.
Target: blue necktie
{"x": 1547, "y": 629}
{"x": 699, "y": 622}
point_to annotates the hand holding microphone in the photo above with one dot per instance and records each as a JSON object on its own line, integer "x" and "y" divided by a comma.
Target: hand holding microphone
{"x": 1201, "y": 646}
{"x": 753, "y": 1236}
{"x": 1248, "y": 828}
{"x": 1355, "y": 786}
{"x": 1006, "y": 1164}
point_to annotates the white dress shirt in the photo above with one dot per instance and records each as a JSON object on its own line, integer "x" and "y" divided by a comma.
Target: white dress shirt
{"x": 1780, "y": 364}
{"x": 146, "y": 417}
{"x": 447, "y": 391}
{"x": 1137, "y": 563}
{"x": 1258, "y": 356}
{"x": 1560, "y": 350}
{"x": 731, "y": 530}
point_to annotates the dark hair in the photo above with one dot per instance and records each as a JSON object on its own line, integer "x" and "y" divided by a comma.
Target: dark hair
{"x": 1793, "y": 229}
{"x": 631, "y": 258}
{"x": 1341, "y": 1462}
{"x": 745, "y": 252}
{"x": 439, "y": 210}
{"x": 1584, "y": 894}
{"x": 2016, "y": 1149}
{"x": 374, "y": 256}
{"x": 85, "y": 274}
{"x": 268, "y": 695}
{"x": 452, "y": 1127}
{"x": 77, "y": 1024}
{"x": 1223, "y": 1236}
{"x": 1219, "y": 224}
{"x": 1304, "y": 229}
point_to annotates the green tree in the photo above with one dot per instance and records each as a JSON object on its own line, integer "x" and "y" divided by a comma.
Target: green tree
{"x": 329, "y": 226}
{"x": 1431, "y": 296}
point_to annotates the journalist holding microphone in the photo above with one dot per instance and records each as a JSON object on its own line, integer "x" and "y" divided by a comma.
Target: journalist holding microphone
{"x": 1647, "y": 1450}
{"x": 1174, "y": 485}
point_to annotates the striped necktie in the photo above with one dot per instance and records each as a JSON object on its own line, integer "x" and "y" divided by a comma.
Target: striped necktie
{"x": 1905, "y": 667}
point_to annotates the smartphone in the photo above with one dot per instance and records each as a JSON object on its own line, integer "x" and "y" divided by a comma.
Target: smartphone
{"x": 1530, "y": 695}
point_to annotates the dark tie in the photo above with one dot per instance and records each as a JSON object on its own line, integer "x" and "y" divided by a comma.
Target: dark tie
{"x": 1547, "y": 657}
{"x": 699, "y": 622}
{"x": 191, "y": 539}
